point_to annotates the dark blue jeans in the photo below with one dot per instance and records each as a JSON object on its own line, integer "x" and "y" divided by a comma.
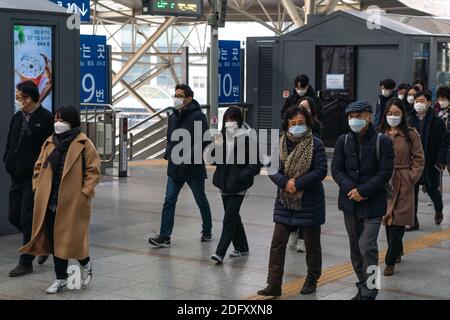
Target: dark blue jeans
{"x": 172, "y": 191}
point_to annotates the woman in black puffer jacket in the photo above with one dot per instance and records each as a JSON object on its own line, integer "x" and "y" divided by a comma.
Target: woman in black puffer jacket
{"x": 234, "y": 176}
{"x": 300, "y": 198}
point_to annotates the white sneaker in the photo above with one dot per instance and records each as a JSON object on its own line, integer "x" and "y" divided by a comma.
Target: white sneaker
{"x": 57, "y": 287}
{"x": 217, "y": 258}
{"x": 237, "y": 254}
{"x": 293, "y": 238}
{"x": 86, "y": 275}
{"x": 300, "y": 246}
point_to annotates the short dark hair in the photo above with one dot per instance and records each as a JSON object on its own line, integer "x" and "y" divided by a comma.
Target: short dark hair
{"x": 403, "y": 86}
{"x": 291, "y": 112}
{"x": 388, "y": 84}
{"x": 69, "y": 114}
{"x": 29, "y": 90}
{"x": 303, "y": 79}
{"x": 420, "y": 81}
{"x": 443, "y": 91}
{"x": 232, "y": 113}
{"x": 424, "y": 93}
{"x": 186, "y": 89}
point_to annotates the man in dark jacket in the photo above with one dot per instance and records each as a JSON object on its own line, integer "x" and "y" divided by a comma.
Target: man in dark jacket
{"x": 387, "y": 87}
{"x": 28, "y": 130}
{"x": 432, "y": 133}
{"x": 186, "y": 164}
{"x": 362, "y": 165}
{"x": 302, "y": 89}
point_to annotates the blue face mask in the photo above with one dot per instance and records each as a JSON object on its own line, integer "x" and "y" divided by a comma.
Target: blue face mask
{"x": 298, "y": 131}
{"x": 357, "y": 124}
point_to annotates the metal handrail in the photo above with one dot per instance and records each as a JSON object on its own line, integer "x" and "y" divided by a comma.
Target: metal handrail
{"x": 105, "y": 107}
{"x": 148, "y": 118}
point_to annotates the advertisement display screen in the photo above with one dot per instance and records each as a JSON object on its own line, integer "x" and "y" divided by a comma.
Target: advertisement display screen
{"x": 33, "y": 56}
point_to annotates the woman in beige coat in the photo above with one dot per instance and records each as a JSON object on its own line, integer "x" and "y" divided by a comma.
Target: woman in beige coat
{"x": 65, "y": 176}
{"x": 408, "y": 166}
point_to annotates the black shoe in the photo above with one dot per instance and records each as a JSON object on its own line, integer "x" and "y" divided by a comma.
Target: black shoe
{"x": 206, "y": 236}
{"x": 438, "y": 217}
{"x": 309, "y": 286}
{"x": 21, "y": 270}
{"x": 42, "y": 259}
{"x": 272, "y": 290}
{"x": 159, "y": 241}
{"x": 367, "y": 298}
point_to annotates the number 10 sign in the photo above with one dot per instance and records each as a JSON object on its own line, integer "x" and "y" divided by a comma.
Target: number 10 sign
{"x": 93, "y": 69}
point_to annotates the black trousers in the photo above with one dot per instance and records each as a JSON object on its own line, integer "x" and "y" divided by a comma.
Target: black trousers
{"x": 277, "y": 257}
{"x": 60, "y": 264}
{"x": 21, "y": 202}
{"x": 394, "y": 236}
{"x": 435, "y": 196}
{"x": 233, "y": 229}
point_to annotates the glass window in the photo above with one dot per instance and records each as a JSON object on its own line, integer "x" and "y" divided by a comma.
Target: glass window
{"x": 199, "y": 82}
{"x": 443, "y": 64}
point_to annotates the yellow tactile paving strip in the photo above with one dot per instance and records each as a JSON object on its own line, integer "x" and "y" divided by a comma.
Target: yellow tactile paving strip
{"x": 341, "y": 271}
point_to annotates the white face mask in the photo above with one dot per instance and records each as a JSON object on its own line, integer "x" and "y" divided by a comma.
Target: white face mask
{"x": 386, "y": 93}
{"x": 444, "y": 104}
{"x": 301, "y": 92}
{"x": 18, "y": 105}
{"x": 61, "y": 127}
{"x": 178, "y": 103}
{"x": 410, "y": 99}
{"x": 231, "y": 125}
{"x": 393, "y": 121}
{"x": 401, "y": 96}
{"x": 420, "y": 107}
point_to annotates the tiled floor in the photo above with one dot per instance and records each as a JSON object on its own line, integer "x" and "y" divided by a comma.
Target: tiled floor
{"x": 127, "y": 267}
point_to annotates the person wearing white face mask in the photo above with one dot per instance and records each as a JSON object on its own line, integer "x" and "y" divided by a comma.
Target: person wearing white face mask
{"x": 187, "y": 114}
{"x": 432, "y": 132}
{"x": 409, "y": 163}
{"x": 363, "y": 163}
{"x": 387, "y": 87}
{"x": 233, "y": 178}
{"x": 303, "y": 89}
{"x": 65, "y": 177}
{"x": 443, "y": 109}
{"x": 300, "y": 199}
{"x": 30, "y": 126}
{"x": 402, "y": 90}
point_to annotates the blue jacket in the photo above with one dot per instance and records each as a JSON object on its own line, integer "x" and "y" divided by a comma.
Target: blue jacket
{"x": 185, "y": 119}
{"x": 357, "y": 166}
{"x": 312, "y": 212}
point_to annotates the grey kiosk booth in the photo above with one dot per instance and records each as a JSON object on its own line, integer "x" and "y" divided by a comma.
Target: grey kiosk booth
{"x": 345, "y": 55}
{"x": 36, "y": 45}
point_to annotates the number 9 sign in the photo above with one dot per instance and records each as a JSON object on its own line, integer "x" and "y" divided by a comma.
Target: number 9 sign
{"x": 94, "y": 69}
{"x": 88, "y": 86}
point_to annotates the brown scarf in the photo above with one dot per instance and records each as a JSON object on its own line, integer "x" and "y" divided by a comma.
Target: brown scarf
{"x": 295, "y": 164}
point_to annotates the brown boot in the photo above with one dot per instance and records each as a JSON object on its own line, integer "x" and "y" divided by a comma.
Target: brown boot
{"x": 389, "y": 271}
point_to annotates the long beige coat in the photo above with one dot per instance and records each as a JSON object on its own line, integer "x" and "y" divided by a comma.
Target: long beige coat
{"x": 408, "y": 166}
{"x": 73, "y": 213}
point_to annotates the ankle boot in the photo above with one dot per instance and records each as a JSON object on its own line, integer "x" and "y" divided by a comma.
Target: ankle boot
{"x": 273, "y": 290}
